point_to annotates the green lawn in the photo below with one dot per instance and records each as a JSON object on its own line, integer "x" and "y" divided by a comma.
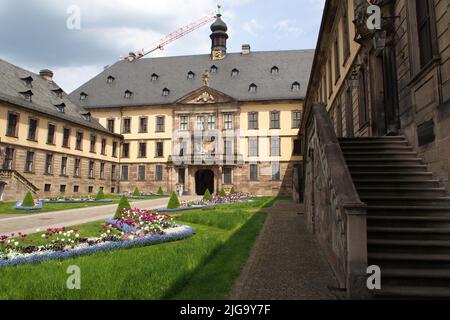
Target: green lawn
{"x": 204, "y": 266}
{"x": 8, "y": 207}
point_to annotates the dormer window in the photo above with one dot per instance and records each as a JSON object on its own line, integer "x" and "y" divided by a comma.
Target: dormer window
{"x": 214, "y": 69}
{"x": 234, "y": 73}
{"x": 58, "y": 92}
{"x": 191, "y": 75}
{"x": 295, "y": 86}
{"x": 154, "y": 77}
{"x": 274, "y": 71}
{"x": 128, "y": 94}
{"x": 28, "y": 81}
{"x": 87, "y": 116}
{"x": 83, "y": 96}
{"x": 27, "y": 95}
{"x": 61, "y": 107}
{"x": 110, "y": 79}
{"x": 253, "y": 88}
{"x": 165, "y": 92}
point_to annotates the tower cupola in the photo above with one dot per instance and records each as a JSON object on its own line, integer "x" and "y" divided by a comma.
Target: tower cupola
{"x": 219, "y": 37}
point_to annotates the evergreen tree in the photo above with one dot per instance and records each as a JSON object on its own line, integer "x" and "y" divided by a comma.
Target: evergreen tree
{"x": 233, "y": 191}
{"x": 222, "y": 192}
{"x": 124, "y": 204}
{"x": 207, "y": 196}
{"x": 28, "y": 201}
{"x": 100, "y": 195}
{"x": 174, "y": 203}
{"x": 136, "y": 192}
{"x": 160, "y": 191}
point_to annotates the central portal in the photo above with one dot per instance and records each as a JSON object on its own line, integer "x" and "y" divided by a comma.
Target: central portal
{"x": 204, "y": 179}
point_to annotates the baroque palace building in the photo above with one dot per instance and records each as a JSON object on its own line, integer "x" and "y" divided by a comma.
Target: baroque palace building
{"x": 204, "y": 122}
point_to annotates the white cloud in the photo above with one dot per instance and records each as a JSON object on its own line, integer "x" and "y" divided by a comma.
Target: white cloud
{"x": 252, "y": 27}
{"x": 287, "y": 26}
{"x": 70, "y": 78}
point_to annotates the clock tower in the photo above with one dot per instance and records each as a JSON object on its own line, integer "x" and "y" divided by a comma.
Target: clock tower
{"x": 219, "y": 38}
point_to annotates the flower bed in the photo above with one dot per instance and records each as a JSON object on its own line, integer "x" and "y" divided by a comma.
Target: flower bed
{"x": 135, "y": 228}
{"x": 19, "y": 206}
{"x": 76, "y": 201}
{"x": 214, "y": 201}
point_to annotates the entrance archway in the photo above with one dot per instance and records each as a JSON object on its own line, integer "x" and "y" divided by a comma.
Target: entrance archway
{"x": 204, "y": 179}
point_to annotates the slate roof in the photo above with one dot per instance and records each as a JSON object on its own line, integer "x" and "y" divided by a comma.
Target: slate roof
{"x": 255, "y": 68}
{"x": 43, "y": 100}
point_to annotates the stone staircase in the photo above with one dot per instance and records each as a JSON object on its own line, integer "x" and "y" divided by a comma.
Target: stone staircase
{"x": 408, "y": 217}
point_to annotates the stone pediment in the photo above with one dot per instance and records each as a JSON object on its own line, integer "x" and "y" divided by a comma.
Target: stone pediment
{"x": 205, "y": 95}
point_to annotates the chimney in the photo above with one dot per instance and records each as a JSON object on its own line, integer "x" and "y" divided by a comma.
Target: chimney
{"x": 245, "y": 49}
{"x": 46, "y": 74}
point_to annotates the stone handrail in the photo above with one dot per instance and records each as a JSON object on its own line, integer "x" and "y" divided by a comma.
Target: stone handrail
{"x": 334, "y": 210}
{"x": 6, "y": 173}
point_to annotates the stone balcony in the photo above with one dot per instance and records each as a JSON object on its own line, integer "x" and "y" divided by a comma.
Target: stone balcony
{"x": 206, "y": 160}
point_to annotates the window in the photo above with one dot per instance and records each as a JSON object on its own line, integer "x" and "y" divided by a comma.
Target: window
{"x": 143, "y": 125}
{"x": 93, "y": 143}
{"x": 28, "y": 81}
{"x": 214, "y": 69}
{"x": 330, "y": 78}
{"x": 32, "y": 129}
{"x": 128, "y": 94}
{"x": 362, "y": 104}
{"x": 274, "y": 71}
{"x": 297, "y": 147}
{"x": 8, "y": 164}
{"x": 76, "y": 189}
{"x": 87, "y": 116}
{"x": 103, "y": 148}
{"x": 113, "y": 190}
{"x": 126, "y": 150}
{"x": 62, "y": 188}
{"x": 114, "y": 149}
{"x": 200, "y": 123}
{"x": 13, "y": 119}
{"x": 29, "y": 162}
{"x": 275, "y": 120}
{"x": 61, "y": 107}
{"x": 345, "y": 35}
{"x": 111, "y": 125}
{"x": 110, "y": 79}
{"x": 91, "y": 169}
{"x": 77, "y": 168}
{"x": 160, "y": 120}
{"x": 47, "y": 187}
{"x": 275, "y": 171}
{"x": 296, "y": 119}
{"x": 154, "y": 77}
{"x": 211, "y": 122}
{"x": 159, "y": 153}
{"x": 337, "y": 61}
{"x": 27, "y": 95}
{"x": 49, "y": 164}
{"x": 83, "y": 96}
{"x": 102, "y": 170}
{"x": 228, "y": 146}
{"x": 274, "y": 146}
{"x": 126, "y": 125}
{"x": 165, "y": 92}
{"x": 191, "y": 75}
{"x": 182, "y": 176}
{"x": 253, "y": 172}
{"x": 228, "y": 121}
{"x": 234, "y": 73}
{"x": 158, "y": 172}
{"x": 424, "y": 25}
{"x": 183, "y": 147}
{"x": 141, "y": 173}
{"x": 253, "y": 88}
{"x": 66, "y": 136}
{"x": 51, "y": 133}
{"x": 142, "y": 150}
{"x": 184, "y": 122}
{"x": 295, "y": 87}
{"x": 58, "y": 93}
{"x": 113, "y": 172}
{"x": 90, "y": 189}
{"x": 349, "y": 112}
{"x": 79, "y": 141}
{"x": 253, "y": 121}
{"x": 227, "y": 175}
{"x": 64, "y": 166}
{"x": 253, "y": 147}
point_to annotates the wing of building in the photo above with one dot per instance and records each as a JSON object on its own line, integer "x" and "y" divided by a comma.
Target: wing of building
{"x": 207, "y": 121}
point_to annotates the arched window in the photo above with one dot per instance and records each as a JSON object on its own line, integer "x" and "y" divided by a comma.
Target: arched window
{"x": 234, "y": 73}
{"x": 253, "y": 88}
{"x": 295, "y": 86}
{"x": 61, "y": 107}
{"x": 165, "y": 92}
{"x": 83, "y": 96}
{"x": 110, "y": 79}
{"x": 154, "y": 77}
{"x": 274, "y": 71}
{"x": 191, "y": 75}
{"x": 214, "y": 69}
{"x": 128, "y": 94}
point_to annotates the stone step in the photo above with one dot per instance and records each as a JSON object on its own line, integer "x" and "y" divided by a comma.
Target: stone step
{"x": 401, "y": 191}
{"x": 381, "y": 138}
{"x": 383, "y": 160}
{"x": 383, "y": 154}
{"x": 375, "y": 148}
{"x": 406, "y": 260}
{"x": 387, "y": 168}
{"x": 408, "y": 221}
{"x": 408, "y": 233}
{"x": 373, "y": 143}
{"x": 408, "y": 246}
{"x": 396, "y": 183}
{"x": 409, "y": 210}
{"x": 412, "y": 292}
{"x": 408, "y": 200}
{"x": 395, "y": 175}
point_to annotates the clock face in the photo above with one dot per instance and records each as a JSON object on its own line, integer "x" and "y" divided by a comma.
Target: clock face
{"x": 217, "y": 54}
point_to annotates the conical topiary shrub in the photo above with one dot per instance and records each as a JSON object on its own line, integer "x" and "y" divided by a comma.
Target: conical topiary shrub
{"x": 232, "y": 191}
{"x": 207, "y": 196}
{"x": 136, "y": 192}
{"x": 160, "y": 191}
{"x": 28, "y": 201}
{"x": 174, "y": 203}
{"x": 222, "y": 192}
{"x": 100, "y": 195}
{"x": 124, "y": 204}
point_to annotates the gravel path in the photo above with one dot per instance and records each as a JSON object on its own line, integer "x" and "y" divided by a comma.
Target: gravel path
{"x": 286, "y": 262}
{"x": 29, "y": 223}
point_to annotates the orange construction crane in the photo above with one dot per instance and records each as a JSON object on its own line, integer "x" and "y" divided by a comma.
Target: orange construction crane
{"x": 172, "y": 37}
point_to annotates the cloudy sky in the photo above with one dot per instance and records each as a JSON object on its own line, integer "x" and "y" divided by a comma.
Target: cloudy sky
{"x": 34, "y": 34}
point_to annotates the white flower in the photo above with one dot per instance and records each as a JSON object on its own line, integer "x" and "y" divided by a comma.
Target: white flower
{"x": 77, "y": 235}
{"x": 16, "y": 243}
{"x": 38, "y": 230}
